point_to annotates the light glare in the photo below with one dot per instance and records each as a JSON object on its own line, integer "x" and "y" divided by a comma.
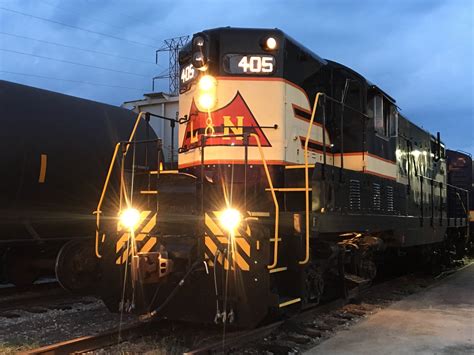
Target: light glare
{"x": 207, "y": 82}
{"x": 230, "y": 219}
{"x": 207, "y": 100}
{"x": 130, "y": 218}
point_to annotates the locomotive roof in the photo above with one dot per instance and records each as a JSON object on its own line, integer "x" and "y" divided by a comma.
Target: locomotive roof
{"x": 252, "y": 31}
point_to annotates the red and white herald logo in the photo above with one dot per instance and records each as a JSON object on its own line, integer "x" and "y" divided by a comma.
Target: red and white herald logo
{"x": 233, "y": 119}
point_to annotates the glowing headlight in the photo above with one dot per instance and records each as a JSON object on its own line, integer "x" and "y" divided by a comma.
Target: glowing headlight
{"x": 270, "y": 43}
{"x": 130, "y": 218}
{"x": 230, "y": 219}
{"x": 207, "y": 100}
{"x": 207, "y": 83}
{"x": 207, "y": 92}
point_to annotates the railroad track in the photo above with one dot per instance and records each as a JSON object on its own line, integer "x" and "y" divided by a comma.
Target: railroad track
{"x": 98, "y": 341}
{"x": 37, "y": 299}
{"x": 295, "y": 333}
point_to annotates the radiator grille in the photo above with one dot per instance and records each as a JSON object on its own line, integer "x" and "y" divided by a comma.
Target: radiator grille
{"x": 354, "y": 194}
{"x": 376, "y": 200}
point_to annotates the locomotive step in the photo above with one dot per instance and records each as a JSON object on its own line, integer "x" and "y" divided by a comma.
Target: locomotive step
{"x": 278, "y": 269}
{"x": 288, "y": 302}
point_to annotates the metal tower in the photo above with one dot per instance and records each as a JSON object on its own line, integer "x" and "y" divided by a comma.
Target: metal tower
{"x": 172, "y": 46}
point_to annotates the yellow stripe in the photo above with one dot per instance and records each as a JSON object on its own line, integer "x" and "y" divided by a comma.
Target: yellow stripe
{"x": 287, "y": 303}
{"x": 259, "y": 214}
{"x": 241, "y": 262}
{"x": 148, "y": 245}
{"x": 44, "y": 164}
{"x": 121, "y": 242}
{"x": 149, "y": 226}
{"x": 213, "y": 226}
{"x": 149, "y": 192}
{"x": 278, "y": 269}
{"x": 213, "y": 248}
{"x": 245, "y": 245}
{"x": 298, "y": 166}
{"x": 289, "y": 189}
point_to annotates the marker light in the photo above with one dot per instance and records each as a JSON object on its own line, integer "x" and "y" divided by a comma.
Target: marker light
{"x": 230, "y": 219}
{"x": 270, "y": 43}
{"x": 130, "y": 218}
{"x": 198, "y": 41}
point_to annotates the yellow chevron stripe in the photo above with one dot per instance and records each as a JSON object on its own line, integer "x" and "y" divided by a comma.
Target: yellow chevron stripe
{"x": 213, "y": 248}
{"x": 243, "y": 244}
{"x": 121, "y": 242}
{"x": 241, "y": 262}
{"x": 149, "y": 226}
{"x": 150, "y": 243}
{"x": 212, "y": 226}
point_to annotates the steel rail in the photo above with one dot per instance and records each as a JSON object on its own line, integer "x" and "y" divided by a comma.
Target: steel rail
{"x": 93, "y": 342}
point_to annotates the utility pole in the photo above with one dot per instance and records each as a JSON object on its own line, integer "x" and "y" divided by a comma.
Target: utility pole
{"x": 172, "y": 46}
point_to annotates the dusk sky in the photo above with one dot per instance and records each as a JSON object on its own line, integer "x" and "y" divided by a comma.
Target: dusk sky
{"x": 419, "y": 51}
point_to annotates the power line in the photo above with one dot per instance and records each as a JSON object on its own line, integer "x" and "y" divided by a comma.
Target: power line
{"x": 75, "y": 63}
{"x": 71, "y": 80}
{"x": 78, "y": 48}
{"x": 90, "y": 19}
{"x": 77, "y": 27}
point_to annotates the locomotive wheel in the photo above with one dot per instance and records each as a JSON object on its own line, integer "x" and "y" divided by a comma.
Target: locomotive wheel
{"x": 76, "y": 266}
{"x": 19, "y": 269}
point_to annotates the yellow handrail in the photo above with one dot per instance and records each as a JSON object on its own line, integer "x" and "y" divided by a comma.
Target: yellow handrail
{"x": 306, "y": 177}
{"x": 97, "y": 212}
{"x": 275, "y": 201}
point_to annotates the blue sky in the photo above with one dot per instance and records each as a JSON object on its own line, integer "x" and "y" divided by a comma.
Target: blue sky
{"x": 419, "y": 51}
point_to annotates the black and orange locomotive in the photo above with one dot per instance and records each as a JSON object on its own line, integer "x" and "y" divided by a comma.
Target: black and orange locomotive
{"x": 294, "y": 173}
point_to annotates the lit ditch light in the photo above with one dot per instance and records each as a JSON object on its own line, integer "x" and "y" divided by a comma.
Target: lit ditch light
{"x": 130, "y": 218}
{"x": 207, "y": 92}
{"x": 230, "y": 219}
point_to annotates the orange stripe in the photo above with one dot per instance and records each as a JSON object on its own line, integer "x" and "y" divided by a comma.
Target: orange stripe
{"x": 44, "y": 164}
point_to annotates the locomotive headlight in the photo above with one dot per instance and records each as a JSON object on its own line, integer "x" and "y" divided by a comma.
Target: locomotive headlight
{"x": 130, "y": 218}
{"x": 207, "y": 92}
{"x": 207, "y": 100}
{"x": 207, "y": 83}
{"x": 230, "y": 219}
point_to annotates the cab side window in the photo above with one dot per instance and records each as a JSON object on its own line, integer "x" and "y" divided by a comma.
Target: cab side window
{"x": 385, "y": 116}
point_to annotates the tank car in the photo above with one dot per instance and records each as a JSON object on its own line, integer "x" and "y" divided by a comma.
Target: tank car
{"x": 54, "y": 155}
{"x": 294, "y": 174}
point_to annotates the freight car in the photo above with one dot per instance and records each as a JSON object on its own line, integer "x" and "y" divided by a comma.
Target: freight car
{"x": 54, "y": 155}
{"x": 294, "y": 173}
